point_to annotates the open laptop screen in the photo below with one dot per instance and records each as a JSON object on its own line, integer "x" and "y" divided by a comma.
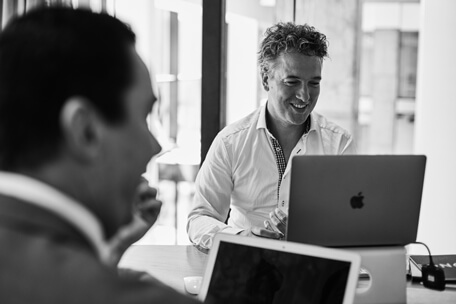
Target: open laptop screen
{"x": 250, "y": 274}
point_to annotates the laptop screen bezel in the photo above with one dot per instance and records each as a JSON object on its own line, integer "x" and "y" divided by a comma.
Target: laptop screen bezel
{"x": 302, "y": 249}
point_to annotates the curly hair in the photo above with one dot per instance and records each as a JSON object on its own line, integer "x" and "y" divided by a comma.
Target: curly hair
{"x": 290, "y": 37}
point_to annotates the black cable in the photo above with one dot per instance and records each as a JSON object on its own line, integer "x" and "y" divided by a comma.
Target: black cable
{"x": 431, "y": 262}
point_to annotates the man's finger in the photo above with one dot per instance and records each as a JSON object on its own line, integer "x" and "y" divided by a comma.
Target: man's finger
{"x": 272, "y": 227}
{"x": 150, "y": 210}
{"x": 268, "y": 225}
{"x": 281, "y": 215}
{"x": 277, "y": 224}
{"x": 150, "y": 205}
{"x": 274, "y": 219}
{"x": 145, "y": 192}
{"x": 262, "y": 232}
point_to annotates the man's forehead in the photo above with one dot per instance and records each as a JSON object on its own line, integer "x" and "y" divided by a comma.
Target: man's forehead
{"x": 142, "y": 77}
{"x": 297, "y": 65}
{"x": 140, "y": 92}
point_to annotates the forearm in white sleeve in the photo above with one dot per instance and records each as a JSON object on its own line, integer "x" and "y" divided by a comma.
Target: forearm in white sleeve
{"x": 211, "y": 203}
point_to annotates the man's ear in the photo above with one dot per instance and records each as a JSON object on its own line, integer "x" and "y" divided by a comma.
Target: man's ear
{"x": 81, "y": 129}
{"x": 264, "y": 81}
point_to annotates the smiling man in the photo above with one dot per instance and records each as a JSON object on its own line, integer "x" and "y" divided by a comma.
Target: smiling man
{"x": 247, "y": 168}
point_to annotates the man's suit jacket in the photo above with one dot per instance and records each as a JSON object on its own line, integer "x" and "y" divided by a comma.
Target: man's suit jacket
{"x": 44, "y": 260}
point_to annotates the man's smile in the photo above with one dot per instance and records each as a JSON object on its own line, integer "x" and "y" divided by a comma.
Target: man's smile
{"x": 299, "y": 106}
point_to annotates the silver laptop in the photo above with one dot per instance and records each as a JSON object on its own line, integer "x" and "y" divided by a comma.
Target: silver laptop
{"x": 355, "y": 200}
{"x": 252, "y": 270}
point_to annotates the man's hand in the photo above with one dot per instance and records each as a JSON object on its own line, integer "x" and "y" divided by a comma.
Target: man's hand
{"x": 278, "y": 221}
{"x": 146, "y": 209}
{"x": 261, "y": 232}
{"x": 146, "y": 205}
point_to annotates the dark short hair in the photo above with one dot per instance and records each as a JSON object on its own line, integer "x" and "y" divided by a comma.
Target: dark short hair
{"x": 289, "y": 37}
{"x": 48, "y": 56}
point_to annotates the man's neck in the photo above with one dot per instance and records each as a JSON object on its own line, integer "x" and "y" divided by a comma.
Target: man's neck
{"x": 287, "y": 136}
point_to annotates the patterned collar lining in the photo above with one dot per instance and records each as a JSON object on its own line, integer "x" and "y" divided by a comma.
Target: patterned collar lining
{"x": 280, "y": 161}
{"x": 280, "y": 156}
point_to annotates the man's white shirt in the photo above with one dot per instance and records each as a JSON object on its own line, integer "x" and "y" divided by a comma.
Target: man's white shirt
{"x": 240, "y": 173}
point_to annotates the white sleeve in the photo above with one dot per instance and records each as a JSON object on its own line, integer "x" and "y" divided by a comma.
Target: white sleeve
{"x": 211, "y": 203}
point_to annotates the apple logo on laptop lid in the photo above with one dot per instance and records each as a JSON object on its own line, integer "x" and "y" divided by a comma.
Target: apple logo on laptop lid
{"x": 356, "y": 201}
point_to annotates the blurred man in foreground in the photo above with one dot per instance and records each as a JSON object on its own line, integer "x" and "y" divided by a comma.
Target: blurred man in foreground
{"x": 74, "y": 96}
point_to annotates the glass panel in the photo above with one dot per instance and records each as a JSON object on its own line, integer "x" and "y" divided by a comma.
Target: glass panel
{"x": 246, "y": 23}
{"x": 169, "y": 40}
{"x": 404, "y": 19}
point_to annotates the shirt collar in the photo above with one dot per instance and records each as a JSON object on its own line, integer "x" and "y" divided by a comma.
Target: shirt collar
{"x": 42, "y": 195}
{"x": 261, "y": 124}
{"x": 313, "y": 122}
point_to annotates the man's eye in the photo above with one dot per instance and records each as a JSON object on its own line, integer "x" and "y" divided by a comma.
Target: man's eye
{"x": 290, "y": 82}
{"x": 315, "y": 84}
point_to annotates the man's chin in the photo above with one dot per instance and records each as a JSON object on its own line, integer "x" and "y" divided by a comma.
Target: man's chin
{"x": 298, "y": 122}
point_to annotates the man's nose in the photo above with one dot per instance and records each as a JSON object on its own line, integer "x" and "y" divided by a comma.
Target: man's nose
{"x": 155, "y": 146}
{"x": 303, "y": 92}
